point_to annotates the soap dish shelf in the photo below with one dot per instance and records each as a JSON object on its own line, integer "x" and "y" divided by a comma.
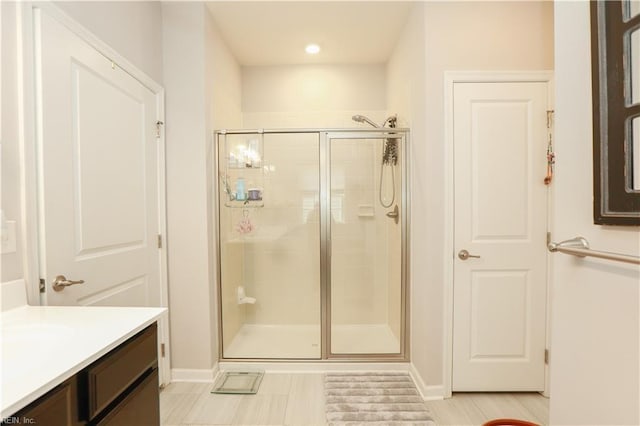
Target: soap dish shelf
{"x": 244, "y": 204}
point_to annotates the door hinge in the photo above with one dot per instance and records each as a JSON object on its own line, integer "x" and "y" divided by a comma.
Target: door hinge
{"x": 548, "y": 238}
{"x": 546, "y": 356}
{"x": 159, "y": 241}
{"x": 550, "y": 113}
{"x": 158, "y": 126}
{"x": 42, "y": 285}
{"x": 162, "y": 350}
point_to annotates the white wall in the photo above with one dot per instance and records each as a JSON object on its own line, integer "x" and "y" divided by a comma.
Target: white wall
{"x": 405, "y": 89}
{"x": 312, "y": 95}
{"x": 191, "y": 300}
{"x": 476, "y": 36}
{"x": 132, "y": 28}
{"x": 595, "y": 333}
{"x": 224, "y": 80}
{"x": 223, "y": 88}
{"x": 202, "y": 92}
{"x": 11, "y": 262}
{"x": 406, "y": 96}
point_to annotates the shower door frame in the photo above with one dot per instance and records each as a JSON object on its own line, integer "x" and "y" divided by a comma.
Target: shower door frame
{"x": 324, "y": 138}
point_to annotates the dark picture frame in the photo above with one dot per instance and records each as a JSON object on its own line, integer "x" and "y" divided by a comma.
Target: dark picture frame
{"x": 615, "y": 200}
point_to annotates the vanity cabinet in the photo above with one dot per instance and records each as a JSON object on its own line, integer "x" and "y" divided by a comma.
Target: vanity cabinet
{"x": 119, "y": 389}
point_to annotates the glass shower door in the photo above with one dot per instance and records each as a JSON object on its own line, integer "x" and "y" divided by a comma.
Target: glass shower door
{"x": 269, "y": 230}
{"x": 365, "y": 233}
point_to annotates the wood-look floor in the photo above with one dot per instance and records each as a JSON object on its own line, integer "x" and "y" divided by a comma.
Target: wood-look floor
{"x": 298, "y": 400}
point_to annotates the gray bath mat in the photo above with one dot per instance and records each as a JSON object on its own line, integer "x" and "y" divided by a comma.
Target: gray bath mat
{"x": 238, "y": 382}
{"x": 374, "y": 398}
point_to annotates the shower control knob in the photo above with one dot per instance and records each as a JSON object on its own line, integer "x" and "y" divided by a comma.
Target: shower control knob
{"x": 395, "y": 214}
{"x": 464, "y": 255}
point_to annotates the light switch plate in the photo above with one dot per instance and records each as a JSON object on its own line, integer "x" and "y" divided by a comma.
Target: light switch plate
{"x": 9, "y": 237}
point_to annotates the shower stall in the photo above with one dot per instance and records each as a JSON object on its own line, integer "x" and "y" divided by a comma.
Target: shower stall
{"x": 313, "y": 247}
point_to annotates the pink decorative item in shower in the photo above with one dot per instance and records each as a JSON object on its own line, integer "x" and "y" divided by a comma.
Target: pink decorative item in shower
{"x": 244, "y": 225}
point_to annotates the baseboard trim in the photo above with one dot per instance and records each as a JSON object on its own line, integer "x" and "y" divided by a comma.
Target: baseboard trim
{"x": 428, "y": 393}
{"x": 314, "y": 367}
{"x": 194, "y": 375}
{"x": 433, "y": 393}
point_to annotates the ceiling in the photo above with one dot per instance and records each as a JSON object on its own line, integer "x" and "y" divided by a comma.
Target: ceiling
{"x": 276, "y": 33}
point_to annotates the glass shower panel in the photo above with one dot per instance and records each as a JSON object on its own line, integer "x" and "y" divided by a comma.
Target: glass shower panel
{"x": 270, "y": 245}
{"x": 366, "y": 259}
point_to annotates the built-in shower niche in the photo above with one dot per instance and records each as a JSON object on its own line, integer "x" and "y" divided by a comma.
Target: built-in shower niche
{"x": 320, "y": 241}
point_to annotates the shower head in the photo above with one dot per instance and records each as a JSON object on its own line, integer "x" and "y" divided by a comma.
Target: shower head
{"x": 392, "y": 120}
{"x": 363, "y": 119}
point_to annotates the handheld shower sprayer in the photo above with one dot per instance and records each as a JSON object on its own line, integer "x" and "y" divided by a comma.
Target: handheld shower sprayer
{"x": 389, "y": 153}
{"x": 363, "y": 119}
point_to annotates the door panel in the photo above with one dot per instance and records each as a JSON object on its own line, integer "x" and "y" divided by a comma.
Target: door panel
{"x": 488, "y": 289}
{"x": 99, "y": 165}
{"x": 110, "y": 186}
{"x": 500, "y": 131}
{"x": 500, "y": 215}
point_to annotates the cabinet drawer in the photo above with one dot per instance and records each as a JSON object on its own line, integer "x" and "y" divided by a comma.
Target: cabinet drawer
{"x": 115, "y": 372}
{"x": 141, "y": 407}
{"x": 58, "y": 407}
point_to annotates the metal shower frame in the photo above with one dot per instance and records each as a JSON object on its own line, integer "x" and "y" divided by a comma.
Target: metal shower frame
{"x": 325, "y": 136}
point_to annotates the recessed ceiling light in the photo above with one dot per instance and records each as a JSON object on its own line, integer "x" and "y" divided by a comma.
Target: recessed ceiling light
{"x": 312, "y": 49}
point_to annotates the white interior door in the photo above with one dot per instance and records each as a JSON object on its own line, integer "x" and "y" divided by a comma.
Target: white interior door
{"x": 99, "y": 174}
{"x": 501, "y": 217}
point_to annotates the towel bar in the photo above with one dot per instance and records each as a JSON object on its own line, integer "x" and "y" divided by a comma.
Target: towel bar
{"x": 579, "y": 246}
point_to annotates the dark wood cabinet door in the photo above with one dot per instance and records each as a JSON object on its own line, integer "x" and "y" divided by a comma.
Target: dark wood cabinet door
{"x": 58, "y": 407}
{"x": 114, "y": 373}
{"x": 141, "y": 407}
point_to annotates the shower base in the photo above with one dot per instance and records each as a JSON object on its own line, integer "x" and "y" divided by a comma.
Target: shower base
{"x": 303, "y": 341}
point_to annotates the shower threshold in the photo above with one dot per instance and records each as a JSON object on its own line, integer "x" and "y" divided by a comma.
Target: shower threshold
{"x": 303, "y": 341}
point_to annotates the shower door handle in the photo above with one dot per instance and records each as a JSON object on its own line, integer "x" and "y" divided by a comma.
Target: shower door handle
{"x": 395, "y": 214}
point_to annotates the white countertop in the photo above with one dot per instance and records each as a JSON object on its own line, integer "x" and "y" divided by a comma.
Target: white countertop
{"x": 42, "y": 346}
